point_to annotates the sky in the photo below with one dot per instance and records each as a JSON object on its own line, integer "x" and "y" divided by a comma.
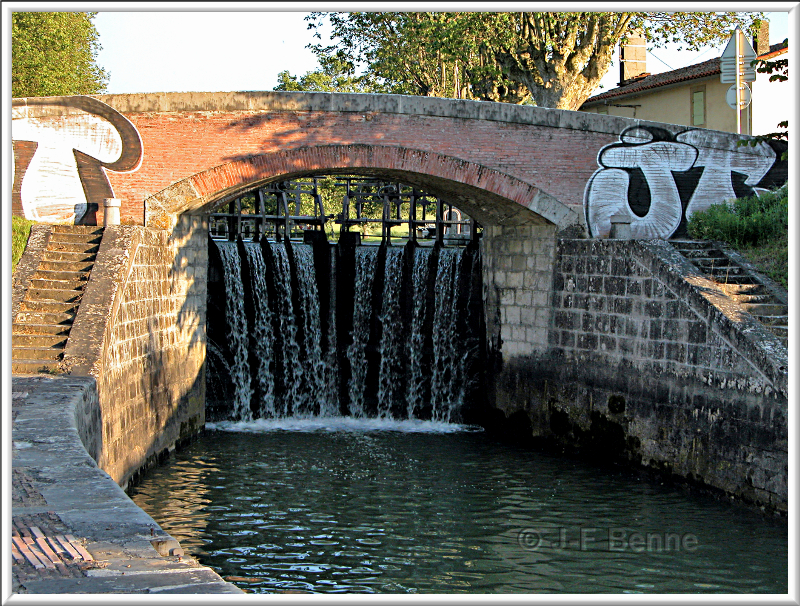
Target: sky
{"x": 166, "y": 51}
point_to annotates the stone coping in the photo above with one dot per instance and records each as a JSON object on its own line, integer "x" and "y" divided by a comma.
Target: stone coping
{"x": 58, "y": 490}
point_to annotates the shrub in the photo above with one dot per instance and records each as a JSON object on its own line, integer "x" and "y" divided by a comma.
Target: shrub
{"x": 20, "y": 230}
{"x": 744, "y": 221}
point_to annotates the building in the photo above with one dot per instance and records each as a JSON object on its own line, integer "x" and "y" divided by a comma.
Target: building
{"x": 694, "y": 95}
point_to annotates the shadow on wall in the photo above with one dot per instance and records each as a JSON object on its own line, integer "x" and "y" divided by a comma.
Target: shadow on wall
{"x": 140, "y": 331}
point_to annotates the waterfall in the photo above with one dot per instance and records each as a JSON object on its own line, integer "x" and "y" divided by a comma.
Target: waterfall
{"x": 239, "y": 366}
{"x": 261, "y": 333}
{"x": 312, "y": 395}
{"x": 446, "y": 367}
{"x": 366, "y": 260}
{"x": 416, "y": 340}
{"x": 290, "y": 349}
{"x": 406, "y": 354}
{"x": 390, "y": 380}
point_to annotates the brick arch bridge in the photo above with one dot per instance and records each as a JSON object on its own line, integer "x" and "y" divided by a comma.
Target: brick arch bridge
{"x": 505, "y": 164}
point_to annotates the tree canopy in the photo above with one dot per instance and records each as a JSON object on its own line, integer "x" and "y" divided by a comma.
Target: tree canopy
{"x": 550, "y": 59}
{"x": 54, "y": 54}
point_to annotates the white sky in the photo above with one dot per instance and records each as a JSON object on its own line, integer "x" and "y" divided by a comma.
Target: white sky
{"x": 147, "y": 51}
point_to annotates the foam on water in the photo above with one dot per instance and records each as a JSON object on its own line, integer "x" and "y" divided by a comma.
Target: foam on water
{"x": 342, "y": 424}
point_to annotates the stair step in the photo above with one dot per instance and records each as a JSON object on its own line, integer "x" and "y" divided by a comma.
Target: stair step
{"x": 37, "y": 353}
{"x": 30, "y": 328}
{"x": 692, "y": 244}
{"x": 77, "y": 229}
{"x": 739, "y": 290}
{"x": 60, "y": 265}
{"x": 53, "y": 294}
{"x": 67, "y": 276}
{"x": 72, "y": 257}
{"x": 49, "y": 284}
{"x": 703, "y": 254}
{"x": 72, "y": 237}
{"x": 782, "y": 332}
{"x": 24, "y": 367}
{"x": 24, "y": 341}
{"x": 35, "y": 318}
{"x": 766, "y": 309}
{"x": 772, "y": 320}
{"x": 752, "y": 299}
{"x": 74, "y": 247}
{"x": 49, "y": 306}
{"x": 735, "y": 279}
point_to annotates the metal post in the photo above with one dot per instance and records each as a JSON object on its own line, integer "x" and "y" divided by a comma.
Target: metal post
{"x": 738, "y": 84}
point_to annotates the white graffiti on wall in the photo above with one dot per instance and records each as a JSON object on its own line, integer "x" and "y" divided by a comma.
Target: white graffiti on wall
{"x": 61, "y": 148}
{"x": 661, "y": 161}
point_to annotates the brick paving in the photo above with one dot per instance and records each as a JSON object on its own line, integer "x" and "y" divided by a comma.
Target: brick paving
{"x": 73, "y": 528}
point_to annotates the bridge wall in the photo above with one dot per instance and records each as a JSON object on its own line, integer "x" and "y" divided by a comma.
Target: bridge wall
{"x": 641, "y": 360}
{"x": 140, "y": 332}
{"x": 135, "y": 146}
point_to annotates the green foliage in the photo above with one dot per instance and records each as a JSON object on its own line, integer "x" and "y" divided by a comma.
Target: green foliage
{"x": 744, "y": 221}
{"x": 550, "y": 59}
{"x": 54, "y": 54}
{"x": 20, "y": 230}
{"x": 337, "y": 75}
{"x": 779, "y": 68}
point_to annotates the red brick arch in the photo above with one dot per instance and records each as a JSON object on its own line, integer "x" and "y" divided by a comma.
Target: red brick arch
{"x": 491, "y": 196}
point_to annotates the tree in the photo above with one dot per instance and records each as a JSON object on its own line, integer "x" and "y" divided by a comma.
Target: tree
{"x": 54, "y": 54}
{"x": 337, "y": 74}
{"x": 553, "y": 59}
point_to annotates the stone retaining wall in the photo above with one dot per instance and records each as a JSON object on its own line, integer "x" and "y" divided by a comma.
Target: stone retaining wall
{"x": 140, "y": 332}
{"x": 646, "y": 361}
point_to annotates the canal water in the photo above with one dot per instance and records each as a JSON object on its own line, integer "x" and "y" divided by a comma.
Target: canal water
{"x": 407, "y": 506}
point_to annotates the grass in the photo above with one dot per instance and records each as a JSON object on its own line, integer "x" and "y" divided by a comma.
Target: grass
{"x": 757, "y": 227}
{"x": 20, "y": 230}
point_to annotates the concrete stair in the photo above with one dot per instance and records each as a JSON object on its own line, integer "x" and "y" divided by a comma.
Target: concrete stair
{"x": 41, "y": 327}
{"x": 739, "y": 284}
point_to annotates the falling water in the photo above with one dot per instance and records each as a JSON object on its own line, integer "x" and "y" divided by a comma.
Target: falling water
{"x": 237, "y": 331}
{"x": 445, "y": 343}
{"x": 416, "y": 341}
{"x": 288, "y": 331}
{"x": 262, "y": 337}
{"x": 312, "y": 395}
{"x": 390, "y": 382}
{"x": 331, "y": 407}
{"x": 366, "y": 261}
{"x": 292, "y": 370}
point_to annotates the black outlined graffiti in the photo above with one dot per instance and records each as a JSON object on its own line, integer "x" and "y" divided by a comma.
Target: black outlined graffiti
{"x": 61, "y": 147}
{"x": 659, "y": 180}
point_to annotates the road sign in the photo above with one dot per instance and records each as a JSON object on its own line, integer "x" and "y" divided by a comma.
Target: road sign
{"x": 730, "y": 63}
{"x": 745, "y": 96}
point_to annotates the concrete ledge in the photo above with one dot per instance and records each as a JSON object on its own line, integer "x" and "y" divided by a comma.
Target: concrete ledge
{"x": 63, "y": 486}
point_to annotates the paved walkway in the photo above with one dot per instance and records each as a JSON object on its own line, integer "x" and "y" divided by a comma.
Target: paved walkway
{"x": 74, "y": 529}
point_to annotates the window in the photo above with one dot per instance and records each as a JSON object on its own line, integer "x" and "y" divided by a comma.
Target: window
{"x": 699, "y": 106}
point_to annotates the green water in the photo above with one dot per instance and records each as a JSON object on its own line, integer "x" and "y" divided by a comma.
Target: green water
{"x": 349, "y": 507}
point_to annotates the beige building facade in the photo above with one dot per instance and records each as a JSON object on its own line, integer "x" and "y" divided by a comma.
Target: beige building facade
{"x": 694, "y": 96}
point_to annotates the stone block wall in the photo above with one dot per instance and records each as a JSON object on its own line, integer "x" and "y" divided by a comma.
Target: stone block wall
{"x": 648, "y": 362}
{"x": 517, "y": 278}
{"x": 140, "y": 331}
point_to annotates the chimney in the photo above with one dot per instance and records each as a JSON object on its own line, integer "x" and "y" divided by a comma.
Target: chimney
{"x": 761, "y": 39}
{"x": 632, "y": 58}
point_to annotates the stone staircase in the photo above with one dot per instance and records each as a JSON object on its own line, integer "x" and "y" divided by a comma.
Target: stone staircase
{"x": 740, "y": 283}
{"x": 41, "y": 327}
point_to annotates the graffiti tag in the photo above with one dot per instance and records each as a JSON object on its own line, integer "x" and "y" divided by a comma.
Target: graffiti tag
{"x": 646, "y": 173}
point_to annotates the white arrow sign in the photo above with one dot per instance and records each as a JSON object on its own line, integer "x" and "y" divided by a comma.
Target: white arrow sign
{"x": 730, "y": 64}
